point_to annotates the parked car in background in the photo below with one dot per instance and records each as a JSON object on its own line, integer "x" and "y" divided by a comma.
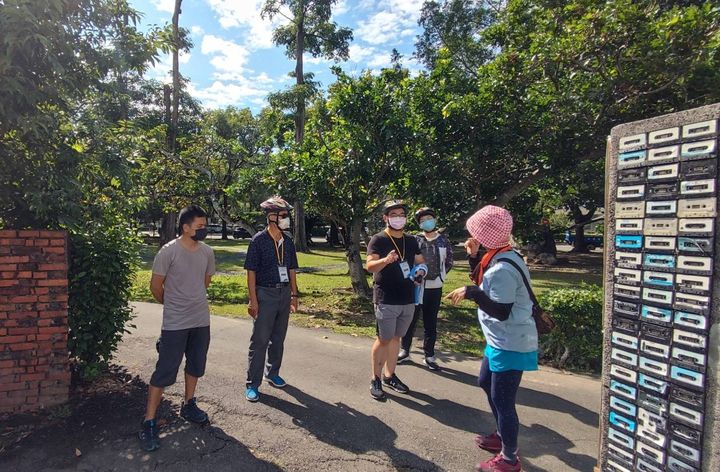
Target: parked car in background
{"x": 214, "y": 228}
{"x": 240, "y": 233}
{"x": 592, "y": 241}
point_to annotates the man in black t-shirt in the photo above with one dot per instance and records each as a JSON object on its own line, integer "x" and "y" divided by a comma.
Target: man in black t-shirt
{"x": 397, "y": 266}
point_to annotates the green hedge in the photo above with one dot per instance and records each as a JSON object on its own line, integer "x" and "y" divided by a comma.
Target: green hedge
{"x": 576, "y": 343}
{"x": 101, "y": 273}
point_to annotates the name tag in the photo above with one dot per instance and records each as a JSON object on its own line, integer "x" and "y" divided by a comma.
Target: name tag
{"x": 405, "y": 267}
{"x": 283, "y": 273}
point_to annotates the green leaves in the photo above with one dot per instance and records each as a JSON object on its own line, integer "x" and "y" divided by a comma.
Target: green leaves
{"x": 577, "y": 340}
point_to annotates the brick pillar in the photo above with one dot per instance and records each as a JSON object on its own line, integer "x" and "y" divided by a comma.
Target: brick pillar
{"x": 34, "y": 363}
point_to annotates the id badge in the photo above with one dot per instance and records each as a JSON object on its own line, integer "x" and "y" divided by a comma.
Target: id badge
{"x": 405, "y": 267}
{"x": 283, "y": 273}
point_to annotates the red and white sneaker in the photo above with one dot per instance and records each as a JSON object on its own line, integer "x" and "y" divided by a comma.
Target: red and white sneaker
{"x": 498, "y": 464}
{"x": 491, "y": 442}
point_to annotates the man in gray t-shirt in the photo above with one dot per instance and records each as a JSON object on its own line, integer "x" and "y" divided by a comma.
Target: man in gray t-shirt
{"x": 181, "y": 274}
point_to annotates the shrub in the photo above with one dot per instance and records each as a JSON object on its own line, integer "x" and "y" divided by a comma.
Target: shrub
{"x": 578, "y": 339}
{"x": 101, "y": 273}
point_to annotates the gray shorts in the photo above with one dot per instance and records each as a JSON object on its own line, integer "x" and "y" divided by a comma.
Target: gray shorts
{"x": 393, "y": 321}
{"x": 190, "y": 343}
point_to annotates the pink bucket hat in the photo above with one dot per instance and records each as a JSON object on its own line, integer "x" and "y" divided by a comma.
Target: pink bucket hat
{"x": 491, "y": 226}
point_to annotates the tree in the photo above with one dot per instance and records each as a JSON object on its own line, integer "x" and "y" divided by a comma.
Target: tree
{"x": 228, "y": 151}
{"x": 168, "y": 228}
{"x": 560, "y": 76}
{"x": 66, "y": 75}
{"x": 454, "y": 26}
{"x": 356, "y": 154}
{"x": 309, "y": 30}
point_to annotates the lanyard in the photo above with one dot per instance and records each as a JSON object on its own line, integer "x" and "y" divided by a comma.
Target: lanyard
{"x": 392, "y": 240}
{"x": 278, "y": 253}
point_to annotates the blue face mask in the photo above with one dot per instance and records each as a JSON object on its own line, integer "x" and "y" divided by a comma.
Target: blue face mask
{"x": 428, "y": 225}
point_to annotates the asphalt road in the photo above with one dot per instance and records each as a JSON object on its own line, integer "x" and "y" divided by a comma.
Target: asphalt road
{"x": 325, "y": 419}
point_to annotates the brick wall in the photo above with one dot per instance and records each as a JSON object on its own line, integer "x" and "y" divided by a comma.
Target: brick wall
{"x": 34, "y": 367}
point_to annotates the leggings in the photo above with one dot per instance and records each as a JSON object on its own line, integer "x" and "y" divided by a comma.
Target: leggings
{"x": 501, "y": 389}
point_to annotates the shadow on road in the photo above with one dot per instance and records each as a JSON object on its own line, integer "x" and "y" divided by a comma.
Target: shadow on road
{"x": 98, "y": 430}
{"x": 532, "y": 398}
{"x": 344, "y": 427}
{"x": 543, "y": 441}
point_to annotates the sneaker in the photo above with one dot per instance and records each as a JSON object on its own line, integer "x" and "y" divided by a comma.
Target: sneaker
{"x": 403, "y": 356}
{"x": 277, "y": 381}
{"x": 498, "y": 464}
{"x": 191, "y": 412}
{"x": 491, "y": 442}
{"x": 431, "y": 364}
{"x": 251, "y": 394}
{"x": 396, "y": 384}
{"x": 376, "y": 390}
{"x": 149, "y": 436}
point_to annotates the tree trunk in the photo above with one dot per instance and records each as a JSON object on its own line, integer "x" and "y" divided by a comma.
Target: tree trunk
{"x": 168, "y": 229}
{"x": 175, "y": 75}
{"x": 334, "y": 238}
{"x": 224, "y": 222}
{"x": 300, "y": 236}
{"x": 516, "y": 189}
{"x": 355, "y": 262}
{"x": 580, "y": 218}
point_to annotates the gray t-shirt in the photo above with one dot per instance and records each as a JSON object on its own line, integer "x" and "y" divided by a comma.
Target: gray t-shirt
{"x": 186, "y": 305}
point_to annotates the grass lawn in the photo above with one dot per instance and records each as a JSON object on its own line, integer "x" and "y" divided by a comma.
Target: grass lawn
{"x": 327, "y": 300}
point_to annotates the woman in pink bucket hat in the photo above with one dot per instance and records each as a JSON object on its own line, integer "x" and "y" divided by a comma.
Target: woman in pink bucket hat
{"x": 505, "y": 314}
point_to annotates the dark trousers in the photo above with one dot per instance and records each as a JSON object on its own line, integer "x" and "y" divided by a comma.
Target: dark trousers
{"x": 429, "y": 309}
{"x": 501, "y": 389}
{"x": 268, "y": 336}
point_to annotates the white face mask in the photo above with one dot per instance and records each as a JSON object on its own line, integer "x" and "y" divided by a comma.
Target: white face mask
{"x": 397, "y": 222}
{"x": 284, "y": 223}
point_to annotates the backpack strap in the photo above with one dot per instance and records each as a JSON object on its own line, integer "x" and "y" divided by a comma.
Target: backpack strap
{"x": 522, "y": 274}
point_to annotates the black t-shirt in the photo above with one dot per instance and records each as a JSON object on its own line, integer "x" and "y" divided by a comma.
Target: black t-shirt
{"x": 389, "y": 285}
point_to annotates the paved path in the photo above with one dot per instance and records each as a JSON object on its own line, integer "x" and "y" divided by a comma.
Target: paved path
{"x": 326, "y": 419}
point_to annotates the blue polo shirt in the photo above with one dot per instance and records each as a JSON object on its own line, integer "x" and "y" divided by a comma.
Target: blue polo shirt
{"x": 262, "y": 258}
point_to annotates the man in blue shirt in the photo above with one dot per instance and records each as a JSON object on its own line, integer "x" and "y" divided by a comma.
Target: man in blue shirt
{"x": 271, "y": 263}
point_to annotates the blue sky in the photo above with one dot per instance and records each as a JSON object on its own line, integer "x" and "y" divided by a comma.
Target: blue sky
{"x": 233, "y": 61}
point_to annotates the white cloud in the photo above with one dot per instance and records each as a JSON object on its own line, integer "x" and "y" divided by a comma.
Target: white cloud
{"x": 359, "y": 53}
{"x": 228, "y": 58}
{"x": 395, "y": 19}
{"x": 307, "y": 58}
{"x": 164, "y": 5}
{"x": 222, "y": 94}
{"x": 246, "y": 14}
{"x": 197, "y": 30}
{"x": 263, "y": 78}
{"x": 340, "y": 8}
{"x": 380, "y": 61}
{"x": 380, "y": 28}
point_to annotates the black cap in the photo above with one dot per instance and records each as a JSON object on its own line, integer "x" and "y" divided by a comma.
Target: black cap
{"x": 392, "y": 205}
{"x": 423, "y": 212}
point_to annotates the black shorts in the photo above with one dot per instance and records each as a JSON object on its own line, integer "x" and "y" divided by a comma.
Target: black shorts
{"x": 193, "y": 343}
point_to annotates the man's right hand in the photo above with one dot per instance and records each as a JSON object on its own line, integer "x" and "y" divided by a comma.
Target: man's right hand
{"x": 253, "y": 309}
{"x": 391, "y": 257}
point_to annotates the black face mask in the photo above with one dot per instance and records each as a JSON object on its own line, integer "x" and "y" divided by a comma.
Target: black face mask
{"x": 200, "y": 234}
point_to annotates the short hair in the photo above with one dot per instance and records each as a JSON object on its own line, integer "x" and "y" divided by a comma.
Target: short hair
{"x": 188, "y": 214}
